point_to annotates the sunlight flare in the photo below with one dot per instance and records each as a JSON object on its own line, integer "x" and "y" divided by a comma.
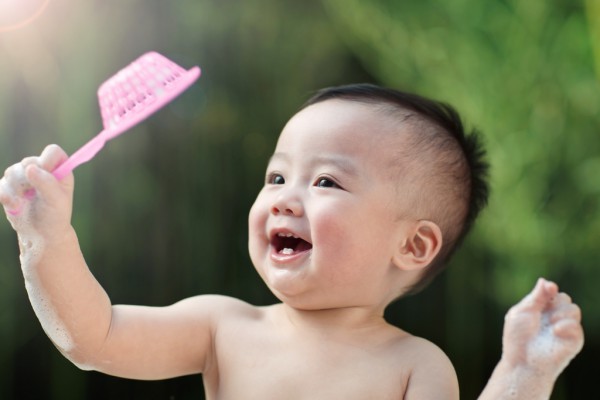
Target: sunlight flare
{"x": 16, "y": 14}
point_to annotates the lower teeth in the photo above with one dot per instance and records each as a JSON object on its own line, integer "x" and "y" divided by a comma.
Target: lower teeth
{"x": 287, "y": 251}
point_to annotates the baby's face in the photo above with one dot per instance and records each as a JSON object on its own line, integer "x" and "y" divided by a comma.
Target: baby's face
{"x": 323, "y": 229}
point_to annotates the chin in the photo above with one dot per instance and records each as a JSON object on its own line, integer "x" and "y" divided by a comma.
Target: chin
{"x": 306, "y": 301}
{"x": 296, "y": 298}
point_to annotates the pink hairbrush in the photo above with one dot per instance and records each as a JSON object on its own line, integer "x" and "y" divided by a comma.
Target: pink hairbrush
{"x": 129, "y": 97}
{"x": 126, "y": 99}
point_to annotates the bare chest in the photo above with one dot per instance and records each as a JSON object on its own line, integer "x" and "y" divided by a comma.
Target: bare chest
{"x": 271, "y": 367}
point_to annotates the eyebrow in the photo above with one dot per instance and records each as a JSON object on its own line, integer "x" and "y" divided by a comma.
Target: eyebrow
{"x": 342, "y": 163}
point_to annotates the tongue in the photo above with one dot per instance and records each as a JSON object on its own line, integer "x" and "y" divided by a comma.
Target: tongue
{"x": 303, "y": 246}
{"x": 294, "y": 246}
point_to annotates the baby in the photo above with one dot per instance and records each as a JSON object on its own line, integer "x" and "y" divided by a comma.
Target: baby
{"x": 366, "y": 196}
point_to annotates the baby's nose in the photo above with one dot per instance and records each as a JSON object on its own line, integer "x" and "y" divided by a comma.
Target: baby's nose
{"x": 287, "y": 205}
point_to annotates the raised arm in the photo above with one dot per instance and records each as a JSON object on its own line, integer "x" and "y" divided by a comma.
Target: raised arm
{"x": 542, "y": 334}
{"x": 74, "y": 310}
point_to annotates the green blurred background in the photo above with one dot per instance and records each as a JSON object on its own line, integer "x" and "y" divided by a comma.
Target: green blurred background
{"x": 162, "y": 211}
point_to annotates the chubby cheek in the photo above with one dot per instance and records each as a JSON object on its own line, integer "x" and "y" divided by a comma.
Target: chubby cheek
{"x": 334, "y": 243}
{"x": 353, "y": 244}
{"x": 257, "y": 219}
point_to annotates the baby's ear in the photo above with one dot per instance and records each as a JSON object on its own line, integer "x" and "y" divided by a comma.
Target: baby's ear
{"x": 419, "y": 246}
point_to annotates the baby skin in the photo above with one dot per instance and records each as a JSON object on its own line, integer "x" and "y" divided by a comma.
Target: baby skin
{"x": 542, "y": 333}
{"x": 327, "y": 338}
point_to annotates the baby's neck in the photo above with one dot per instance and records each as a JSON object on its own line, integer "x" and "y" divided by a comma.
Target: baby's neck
{"x": 330, "y": 321}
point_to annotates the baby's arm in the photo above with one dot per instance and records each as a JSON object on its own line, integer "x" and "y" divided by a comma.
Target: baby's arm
{"x": 542, "y": 334}
{"x": 74, "y": 310}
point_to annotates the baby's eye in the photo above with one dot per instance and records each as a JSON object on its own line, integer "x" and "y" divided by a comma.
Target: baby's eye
{"x": 275, "y": 179}
{"x": 326, "y": 183}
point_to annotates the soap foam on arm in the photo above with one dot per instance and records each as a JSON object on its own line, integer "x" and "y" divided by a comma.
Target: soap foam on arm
{"x": 32, "y": 247}
{"x": 72, "y": 308}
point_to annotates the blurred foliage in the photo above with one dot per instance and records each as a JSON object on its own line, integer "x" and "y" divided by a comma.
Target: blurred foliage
{"x": 162, "y": 211}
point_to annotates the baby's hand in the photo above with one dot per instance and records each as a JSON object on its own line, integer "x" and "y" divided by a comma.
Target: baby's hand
{"x": 543, "y": 331}
{"x": 33, "y": 199}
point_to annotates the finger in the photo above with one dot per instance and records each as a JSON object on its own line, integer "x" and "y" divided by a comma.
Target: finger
{"x": 12, "y": 172}
{"x": 10, "y": 202}
{"x": 52, "y": 156}
{"x": 562, "y": 298}
{"x": 6, "y": 193}
{"x": 15, "y": 182}
{"x": 568, "y": 329}
{"x": 29, "y": 160}
{"x": 566, "y": 311}
{"x": 550, "y": 288}
{"x": 540, "y": 296}
{"x": 42, "y": 181}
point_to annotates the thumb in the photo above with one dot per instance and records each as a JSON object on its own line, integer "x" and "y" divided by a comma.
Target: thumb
{"x": 44, "y": 184}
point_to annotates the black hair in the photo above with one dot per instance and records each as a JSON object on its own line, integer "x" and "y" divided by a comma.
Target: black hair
{"x": 439, "y": 131}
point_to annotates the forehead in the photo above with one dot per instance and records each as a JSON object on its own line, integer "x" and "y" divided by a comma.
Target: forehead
{"x": 341, "y": 127}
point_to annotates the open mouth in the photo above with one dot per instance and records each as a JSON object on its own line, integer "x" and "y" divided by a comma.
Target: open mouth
{"x": 288, "y": 244}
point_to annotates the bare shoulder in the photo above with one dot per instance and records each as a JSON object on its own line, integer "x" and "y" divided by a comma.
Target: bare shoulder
{"x": 432, "y": 375}
{"x": 216, "y": 307}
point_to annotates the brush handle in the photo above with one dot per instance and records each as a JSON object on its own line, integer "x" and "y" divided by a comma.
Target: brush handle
{"x": 84, "y": 154}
